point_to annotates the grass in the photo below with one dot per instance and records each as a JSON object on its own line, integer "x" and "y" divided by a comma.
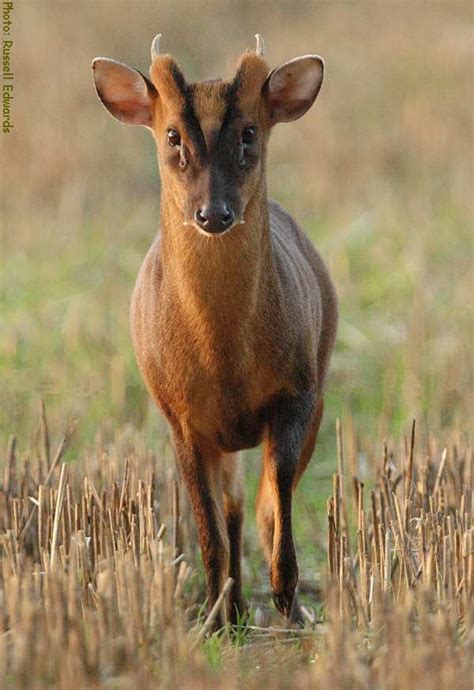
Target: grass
{"x": 379, "y": 174}
{"x": 99, "y": 588}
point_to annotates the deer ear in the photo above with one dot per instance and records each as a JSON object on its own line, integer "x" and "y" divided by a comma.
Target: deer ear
{"x": 291, "y": 89}
{"x": 126, "y": 93}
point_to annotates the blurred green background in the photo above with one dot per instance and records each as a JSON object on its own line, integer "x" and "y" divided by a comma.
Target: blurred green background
{"x": 379, "y": 173}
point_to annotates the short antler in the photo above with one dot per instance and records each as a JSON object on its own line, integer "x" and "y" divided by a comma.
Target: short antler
{"x": 155, "y": 47}
{"x": 260, "y": 49}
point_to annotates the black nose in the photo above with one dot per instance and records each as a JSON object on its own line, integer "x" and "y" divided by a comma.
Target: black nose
{"x": 214, "y": 218}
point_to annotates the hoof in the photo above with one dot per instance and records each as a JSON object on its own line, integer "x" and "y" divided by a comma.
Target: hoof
{"x": 284, "y": 580}
{"x": 285, "y": 603}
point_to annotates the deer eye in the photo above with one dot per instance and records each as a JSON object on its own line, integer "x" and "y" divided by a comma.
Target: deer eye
{"x": 248, "y": 135}
{"x": 173, "y": 138}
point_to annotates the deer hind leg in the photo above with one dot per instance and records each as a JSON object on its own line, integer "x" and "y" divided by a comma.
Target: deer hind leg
{"x": 288, "y": 450}
{"x": 233, "y": 484}
{"x": 202, "y": 473}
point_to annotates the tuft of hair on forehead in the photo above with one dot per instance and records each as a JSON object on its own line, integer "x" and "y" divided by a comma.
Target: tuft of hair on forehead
{"x": 252, "y": 72}
{"x": 210, "y": 98}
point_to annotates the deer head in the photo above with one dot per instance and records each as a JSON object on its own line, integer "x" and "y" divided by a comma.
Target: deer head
{"x": 211, "y": 136}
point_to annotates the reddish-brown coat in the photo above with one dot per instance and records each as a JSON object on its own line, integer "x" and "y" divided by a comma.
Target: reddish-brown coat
{"x": 231, "y": 333}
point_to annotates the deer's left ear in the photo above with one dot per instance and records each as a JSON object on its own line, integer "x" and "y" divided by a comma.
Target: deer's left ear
{"x": 291, "y": 89}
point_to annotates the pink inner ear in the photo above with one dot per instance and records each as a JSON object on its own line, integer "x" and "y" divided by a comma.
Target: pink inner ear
{"x": 123, "y": 91}
{"x": 293, "y": 87}
{"x": 132, "y": 112}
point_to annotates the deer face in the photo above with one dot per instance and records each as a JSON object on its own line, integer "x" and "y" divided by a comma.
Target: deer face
{"x": 211, "y": 152}
{"x": 211, "y": 136}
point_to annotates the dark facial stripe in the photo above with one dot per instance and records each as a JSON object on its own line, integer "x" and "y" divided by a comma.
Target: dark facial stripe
{"x": 188, "y": 114}
{"x": 232, "y": 110}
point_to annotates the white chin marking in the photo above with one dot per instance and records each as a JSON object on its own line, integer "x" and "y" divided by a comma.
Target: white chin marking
{"x": 212, "y": 234}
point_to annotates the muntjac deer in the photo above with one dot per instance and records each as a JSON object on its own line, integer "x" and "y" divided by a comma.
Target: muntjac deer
{"x": 233, "y": 315}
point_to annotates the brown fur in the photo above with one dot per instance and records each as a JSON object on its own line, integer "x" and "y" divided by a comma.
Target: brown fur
{"x": 233, "y": 334}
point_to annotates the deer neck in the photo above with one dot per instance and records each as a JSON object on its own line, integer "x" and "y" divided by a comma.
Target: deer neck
{"x": 218, "y": 282}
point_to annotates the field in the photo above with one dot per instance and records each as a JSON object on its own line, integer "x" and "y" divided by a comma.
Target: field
{"x": 93, "y": 591}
